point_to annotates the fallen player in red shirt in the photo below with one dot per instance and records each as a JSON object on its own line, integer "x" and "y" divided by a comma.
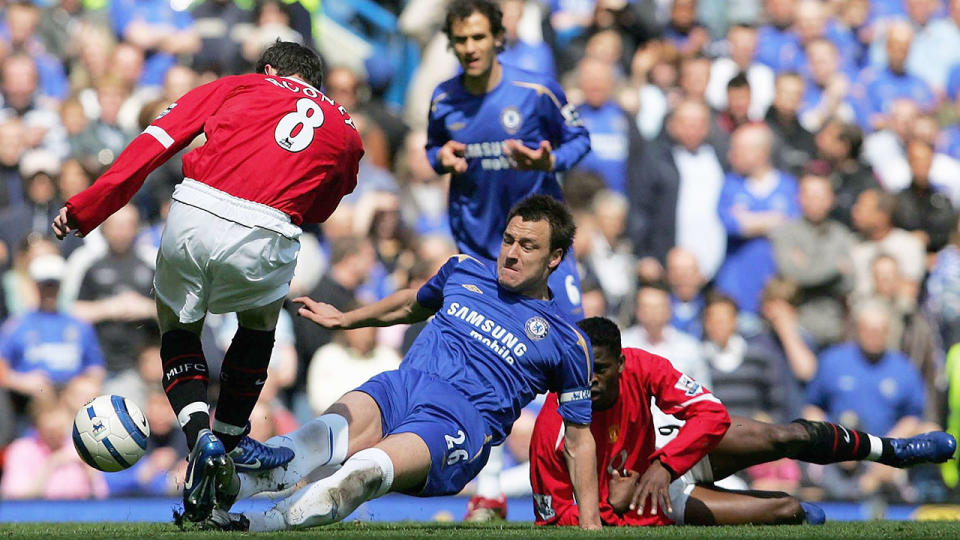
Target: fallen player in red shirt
{"x": 641, "y": 485}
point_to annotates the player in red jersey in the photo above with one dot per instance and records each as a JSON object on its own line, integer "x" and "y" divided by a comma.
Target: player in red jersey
{"x": 676, "y": 480}
{"x": 278, "y": 153}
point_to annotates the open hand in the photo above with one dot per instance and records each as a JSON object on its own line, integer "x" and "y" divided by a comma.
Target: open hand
{"x": 653, "y": 485}
{"x": 623, "y": 484}
{"x": 325, "y": 315}
{"x": 526, "y": 159}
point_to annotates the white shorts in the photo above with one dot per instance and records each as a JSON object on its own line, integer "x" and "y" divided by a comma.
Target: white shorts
{"x": 681, "y": 488}
{"x": 223, "y": 254}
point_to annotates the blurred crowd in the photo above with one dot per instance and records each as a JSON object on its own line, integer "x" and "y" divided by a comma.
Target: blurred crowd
{"x": 771, "y": 202}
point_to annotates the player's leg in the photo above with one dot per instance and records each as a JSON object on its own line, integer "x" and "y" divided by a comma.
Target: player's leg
{"x": 717, "y": 506}
{"x": 749, "y": 442}
{"x": 244, "y": 371}
{"x": 398, "y": 463}
{"x": 348, "y": 426}
{"x": 185, "y": 373}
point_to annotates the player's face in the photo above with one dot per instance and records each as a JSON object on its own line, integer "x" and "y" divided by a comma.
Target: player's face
{"x": 474, "y": 44}
{"x": 525, "y": 259}
{"x": 605, "y": 386}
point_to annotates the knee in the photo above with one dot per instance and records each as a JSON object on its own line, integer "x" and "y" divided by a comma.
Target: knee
{"x": 786, "y": 437}
{"x": 787, "y": 510}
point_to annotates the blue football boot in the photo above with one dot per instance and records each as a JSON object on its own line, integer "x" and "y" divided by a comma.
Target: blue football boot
{"x": 251, "y": 455}
{"x": 933, "y": 447}
{"x": 208, "y": 468}
{"x": 813, "y": 514}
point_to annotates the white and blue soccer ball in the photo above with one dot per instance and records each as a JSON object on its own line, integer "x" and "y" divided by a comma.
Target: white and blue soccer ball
{"x": 110, "y": 433}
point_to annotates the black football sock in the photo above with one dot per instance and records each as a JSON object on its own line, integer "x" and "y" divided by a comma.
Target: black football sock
{"x": 185, "y": 379}
{"x": 833, "y": 443}
{"x": 241, "y": 379}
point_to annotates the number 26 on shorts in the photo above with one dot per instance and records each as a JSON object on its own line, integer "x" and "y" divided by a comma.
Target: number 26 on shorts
{"x": 458, "y": 455}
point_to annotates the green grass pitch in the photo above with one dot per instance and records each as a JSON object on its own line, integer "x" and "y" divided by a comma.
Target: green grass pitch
{"x": 453, "y": 531}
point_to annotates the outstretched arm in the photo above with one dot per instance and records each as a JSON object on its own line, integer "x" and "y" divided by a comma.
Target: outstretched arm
{"x": 400, "y": 307}
{"x": 580, "y": 452}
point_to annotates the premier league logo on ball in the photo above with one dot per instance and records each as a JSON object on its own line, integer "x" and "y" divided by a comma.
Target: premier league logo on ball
{"x": 536, "y": 328}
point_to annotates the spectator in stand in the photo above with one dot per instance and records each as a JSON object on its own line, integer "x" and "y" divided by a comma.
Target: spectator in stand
{"x": 116, "y": 293}
{"x": 882, "y": 86}
{"x": 828, "y": 87}
{"x": 786, "y": 344}
{"x": 756, "y": 199}
{"x": 865, "y": 381}
{"x": 222, "y": 26}
{"x": 944, "y": 170}
{"x": 340, "y": 366}
{"x": 813, "y": 251}
{"x": 737, "y": 112}
{"x": 20, "y": 291}
{"x": 778, "y": 46}
{"x": 920, "y": 208}
{"x": 936, "y": 43}
{"x": 873, "y": 219}
{"x": 43, "y": 350}
{"x": 529, "y": 56}
{"x": 20, "y": 34}
{"x": 686, "y": 291}
{"x": 910, "y": 332}
{"x": 942, "y": 302}
{"x": 81, "y": 135}
{"x": 111, "y": 94}
{"x": 948, "y": 140}
{"x": 683, "y": 31}
{"x": 615, "y": 143}
{"x": 794, "y": 146}
{"x": 741, "y": 48}
{"x": 748, "y": 383}
{"x": 44, "y": 464}
{"x": 39, "y": 170}
{"x": 11, "y": 182}
{"x": 160, "y": 30}
{"x": 839, "y": 145}
{"x": 609, "y": 256}
{"x": 674, "y": 200}
{"x": 21, "y": 99}
{"x": 886, "y": 151}
{"x": 137, "y": 383}
{"x": 654, "y": 334}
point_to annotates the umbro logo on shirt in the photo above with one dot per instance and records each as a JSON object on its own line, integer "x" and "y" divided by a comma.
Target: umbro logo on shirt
{"x": 472, "y": 288}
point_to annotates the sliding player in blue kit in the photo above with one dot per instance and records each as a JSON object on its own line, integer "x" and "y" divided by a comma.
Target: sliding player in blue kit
{"x": 503, "y": 133}
{"x": 496, "y": 340}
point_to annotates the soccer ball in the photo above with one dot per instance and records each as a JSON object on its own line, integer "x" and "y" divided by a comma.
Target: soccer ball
{"x": 110, "y": 433}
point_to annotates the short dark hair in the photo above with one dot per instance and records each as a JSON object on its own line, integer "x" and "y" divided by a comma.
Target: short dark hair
{"x": 716, "y": 297}
{"x": 290, "y": 58}
{"x": 601, "y": 332}
{"x": 461, "y": 9}
{"x": 545, "y": 207}
{"x": 738, "y": 81}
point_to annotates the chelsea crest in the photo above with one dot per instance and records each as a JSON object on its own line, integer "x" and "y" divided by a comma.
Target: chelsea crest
{"x": 536, "y": 328}
{"x": 510, "y": 119}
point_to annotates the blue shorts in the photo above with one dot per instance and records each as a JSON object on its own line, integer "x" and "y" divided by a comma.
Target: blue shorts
{"x": 412, "y": 401}
{"x": 564, "y": 283}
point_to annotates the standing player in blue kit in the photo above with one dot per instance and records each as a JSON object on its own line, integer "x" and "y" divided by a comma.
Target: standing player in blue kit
{"x": 503, "y": 133}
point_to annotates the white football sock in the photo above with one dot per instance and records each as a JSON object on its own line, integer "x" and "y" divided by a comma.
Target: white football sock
{"x": 488, "y": 481}
{"x": 367, "y": 475}
{"x": 322, "y": 441}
